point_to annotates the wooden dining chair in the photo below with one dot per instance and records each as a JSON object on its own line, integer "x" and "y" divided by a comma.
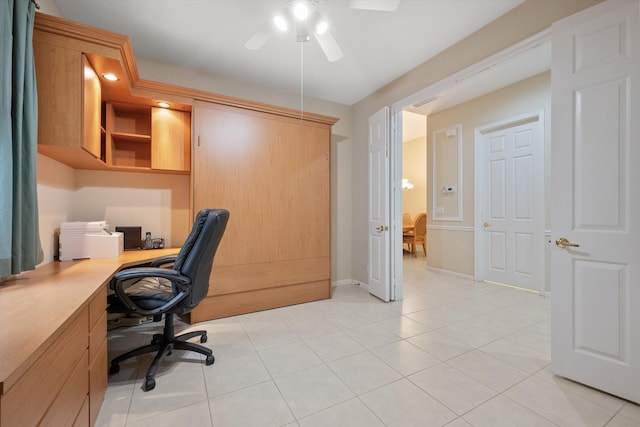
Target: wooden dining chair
{"x": 419, "y": 235}
{"x": 406, "y": 219}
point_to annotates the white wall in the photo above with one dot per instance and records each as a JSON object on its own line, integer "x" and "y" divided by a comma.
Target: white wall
{"x": 159, "y": 203}
{"x": 49, "y": 7}
{"x": 56, "y": 186}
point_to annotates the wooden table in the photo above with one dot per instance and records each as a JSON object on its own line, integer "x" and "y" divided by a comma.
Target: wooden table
{"x": 52, "y": 333}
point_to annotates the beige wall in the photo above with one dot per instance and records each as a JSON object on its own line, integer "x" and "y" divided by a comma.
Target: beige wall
{"x": 450, "y": 244}
{"x": 414, "y": 162}
{"x": 522, "y": 22}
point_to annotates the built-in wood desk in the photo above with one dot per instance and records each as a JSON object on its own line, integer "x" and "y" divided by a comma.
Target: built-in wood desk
{"x": 53, "y": 352}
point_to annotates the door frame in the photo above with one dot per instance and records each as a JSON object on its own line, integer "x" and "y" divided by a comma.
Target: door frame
{"x": 395, "y": 219}
{"x": 426, "y": 95}
{"x": 480, "y": 180}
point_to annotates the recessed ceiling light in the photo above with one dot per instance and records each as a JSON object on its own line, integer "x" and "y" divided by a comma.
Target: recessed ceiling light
{"x": 111, "y": 77}
{"x": 163, "y": 104}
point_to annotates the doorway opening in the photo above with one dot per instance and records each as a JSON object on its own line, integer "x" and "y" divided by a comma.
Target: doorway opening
{"x": 455, "y": 233}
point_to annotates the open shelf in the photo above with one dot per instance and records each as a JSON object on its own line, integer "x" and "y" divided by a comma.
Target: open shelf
{"x": 128, "y": 142}
{"x": 131, "y": 137}
{"x": 127, "y": 152}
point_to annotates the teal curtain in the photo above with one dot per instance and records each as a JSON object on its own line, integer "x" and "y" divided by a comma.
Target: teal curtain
{"x": 20, "y": 247}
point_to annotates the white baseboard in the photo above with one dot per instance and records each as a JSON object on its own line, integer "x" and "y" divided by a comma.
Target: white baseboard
{"x": 344, "y": 282}
{"x": 452, "y": 273}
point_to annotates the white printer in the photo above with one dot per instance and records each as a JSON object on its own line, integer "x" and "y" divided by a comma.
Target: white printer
{"x": 89, "y": 239}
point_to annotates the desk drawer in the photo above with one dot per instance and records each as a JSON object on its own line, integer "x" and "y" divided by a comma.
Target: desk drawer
{"x": 98, "y": 380}
{"x": 97, "y": 336}
{"x": 97, "y": 306}
{"x": 26, "y": 403}
{"x": 82, "y": 420}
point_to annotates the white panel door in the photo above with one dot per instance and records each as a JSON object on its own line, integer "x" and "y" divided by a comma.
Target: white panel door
{"x": 379, "y": 259}
{"x": 512, "y": 198}
{"x": 595, "y": 286}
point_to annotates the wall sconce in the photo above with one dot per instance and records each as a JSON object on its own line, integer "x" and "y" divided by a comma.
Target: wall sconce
{"x": 406, "y": 185}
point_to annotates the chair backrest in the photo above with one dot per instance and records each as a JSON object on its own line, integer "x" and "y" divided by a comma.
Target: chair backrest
{"x": 406, "y": 219}
{"x": 420, "y": 225}
{"x": 195, "y": 259}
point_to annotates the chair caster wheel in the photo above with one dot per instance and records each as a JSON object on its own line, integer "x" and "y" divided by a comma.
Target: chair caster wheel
{"x": 114, "y": 369}
{"x": 210, "y": 359}
{"x": 157, "y": 339}
{"x": 149, "y": 384}
{"x": 203, "y": 339}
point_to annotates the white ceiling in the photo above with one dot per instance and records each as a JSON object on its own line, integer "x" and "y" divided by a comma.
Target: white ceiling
{"x": 209, "y": 35}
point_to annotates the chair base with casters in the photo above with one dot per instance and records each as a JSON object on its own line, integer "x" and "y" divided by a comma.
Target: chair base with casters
{"x": 164, "y": 344}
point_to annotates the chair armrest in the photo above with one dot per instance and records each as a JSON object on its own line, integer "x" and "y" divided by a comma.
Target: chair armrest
{"x": 178, "y": 280}
{"x": 169, "y": 259}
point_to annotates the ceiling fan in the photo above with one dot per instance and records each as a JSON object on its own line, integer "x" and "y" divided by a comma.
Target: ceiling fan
{"x": 306, "y": 17}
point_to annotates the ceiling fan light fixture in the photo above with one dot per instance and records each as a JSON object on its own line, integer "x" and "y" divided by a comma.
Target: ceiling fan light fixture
{"x": 280, "y": 23}
{"x": 300, "y": 11}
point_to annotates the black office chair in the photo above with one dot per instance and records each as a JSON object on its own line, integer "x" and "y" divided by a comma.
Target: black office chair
{"x": 154, "y": 291}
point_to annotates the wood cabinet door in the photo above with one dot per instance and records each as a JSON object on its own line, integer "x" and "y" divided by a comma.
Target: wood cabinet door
{"x": 170, "y": 139}
{"x": 273, "y": 174}
{"x": 59, "y": 95}
{"x": 91, "y": 110}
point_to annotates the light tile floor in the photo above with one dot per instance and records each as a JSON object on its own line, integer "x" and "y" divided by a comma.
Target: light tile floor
{"x": 454, "y": 352}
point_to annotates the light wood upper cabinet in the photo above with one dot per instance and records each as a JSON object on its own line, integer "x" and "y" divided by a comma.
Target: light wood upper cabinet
{"x": 171, "y": 139}
{"x": 58, "y": 76}
{"x": 145, "y": 138}
{"x": 68, "y": 105}
{"x": 87, "y": 122}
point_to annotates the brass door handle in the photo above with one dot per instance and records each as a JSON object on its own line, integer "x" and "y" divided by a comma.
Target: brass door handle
{"x": 563, "y": 243}
{"x": 381, "y": 228}
{"x": 486, "y": 224}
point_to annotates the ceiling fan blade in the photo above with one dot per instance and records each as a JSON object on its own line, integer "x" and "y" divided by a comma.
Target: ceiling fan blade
{"x": 329, "y": 46}
{"x": 261, "y": 36}
{"x": 379, "y": 5}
